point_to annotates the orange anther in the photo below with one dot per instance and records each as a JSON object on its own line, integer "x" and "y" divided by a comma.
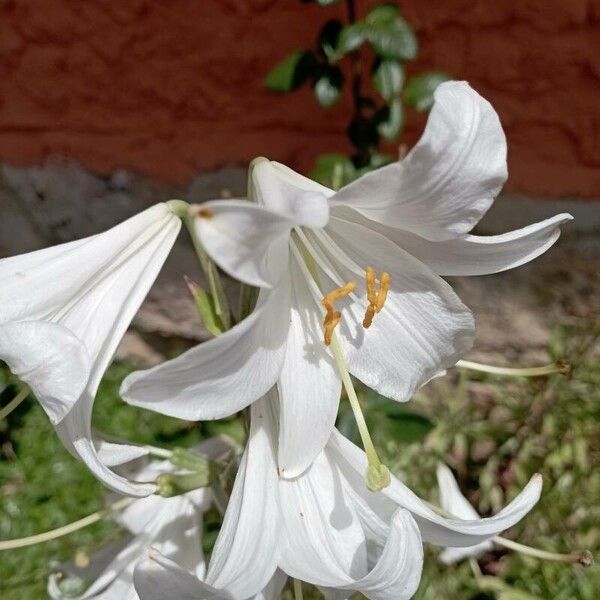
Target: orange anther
{"x": 333, "y": 317}
{"x": 376, "y": 298}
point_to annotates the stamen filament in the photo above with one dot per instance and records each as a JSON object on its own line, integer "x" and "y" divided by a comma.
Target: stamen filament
{"x": 378, "y": 475}
{"x": 298, "y": 590}
{"x": 66, "y": 529}
{"x": 584, "y": 558}
{"x": 14, "y": 403}
{"x": 558, "y": 367}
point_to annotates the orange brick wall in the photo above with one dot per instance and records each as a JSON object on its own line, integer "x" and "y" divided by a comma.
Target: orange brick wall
{"x": 173, "y": 87}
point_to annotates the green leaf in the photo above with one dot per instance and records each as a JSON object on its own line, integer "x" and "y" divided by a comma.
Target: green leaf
{"x": 382, "y": 14}
{"x": 390, "y": 120}
{"x": 419, "y": 90}
{"x": 363, "y": 132}
{"x": 292, "y": 71}
{"x": 327, "y": 39}
{"x": 328, "y": 87}
{"x": 395, "y": 421}
{"x": 351, "y": 38}
{"x": 333, "y": 170}
{"x": 393, "y": 39}
{"x": 388, "y": 79}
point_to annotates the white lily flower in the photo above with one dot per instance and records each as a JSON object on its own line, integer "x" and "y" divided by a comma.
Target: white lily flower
{"x": 453, "y": 502}
{"x": 376, "y": 248}
{"x": 171, "y": 525}
{"x": 63, "y": 311}
{"x": 323, "y": 527}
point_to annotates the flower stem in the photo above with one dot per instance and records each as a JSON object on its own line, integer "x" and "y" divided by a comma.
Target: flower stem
{"x": 557, "y": 367}
{"x": 378, "y": 475}
{"x": 14, "y": 403}
{"x": 298, "y": 590}
{"x": 66, "y": 529}
{"x": 584, "y": 558}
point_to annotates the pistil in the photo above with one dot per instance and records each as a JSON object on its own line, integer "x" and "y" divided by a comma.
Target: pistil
{"x": 377, "y": 475}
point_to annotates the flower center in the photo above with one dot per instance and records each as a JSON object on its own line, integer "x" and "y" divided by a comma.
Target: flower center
{"x": 333, "y": 317}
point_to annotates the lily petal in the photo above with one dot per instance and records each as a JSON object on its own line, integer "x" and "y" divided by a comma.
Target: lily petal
{"x": 290, "y": 194}
{"x": 246, "y": 552}
{"x": 397, "y": 573}
{"x": 451, "y": 499}
{"x": 453, "y": 502}
{"x": 221, "y": 376}
{"x": 481, "y": 255}
{"x": 113, "y": 455}
{"x": 322, "y": 526}
{"x": 157, "y": 578}
{"x": 248, "y": 241}
{"x": 75, "y": 432}
{"x": 50, "y": 359}
{"x": 434, "y": 528}
{"x": 422, "y": 328}
{"x": 309, "y": 386}
{"x": 448, "y": 180}
{"x": 114, "y": 583}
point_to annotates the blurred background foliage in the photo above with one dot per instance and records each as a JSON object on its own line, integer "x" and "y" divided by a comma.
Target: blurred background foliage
{"x": 494, "y": 432}
{"x": 346, "y": 55}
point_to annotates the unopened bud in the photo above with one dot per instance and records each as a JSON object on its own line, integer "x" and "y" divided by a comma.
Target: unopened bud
{"x": 186, "y": 459}
{"x": 172, "y": 484}
{"x": 586, "y": 559}
{"x": 205, "y": 307}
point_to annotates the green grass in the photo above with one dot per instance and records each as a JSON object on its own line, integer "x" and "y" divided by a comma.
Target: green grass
{"x": 494, "y": 432}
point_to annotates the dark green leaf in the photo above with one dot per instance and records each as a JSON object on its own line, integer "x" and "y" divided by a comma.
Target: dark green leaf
{"x": 327, "y": 40}
{"x": 393, "y": 420}
{"x": 363, "y": 132}
{"x": 333, "y": 170}
{"x": 419, "y": 90}
{"x": 351, "y": 38}
{"x": 393, "y": 39}
{"x": 388, "y": 79}
{"x": 292, "y": 71}
{"x": 390, "y": 120}
{"x": 328, "y": 87}
{"x": 382, "y": 14}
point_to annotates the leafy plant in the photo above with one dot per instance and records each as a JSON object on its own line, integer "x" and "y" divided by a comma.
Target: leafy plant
{"x": 380, "y": 44}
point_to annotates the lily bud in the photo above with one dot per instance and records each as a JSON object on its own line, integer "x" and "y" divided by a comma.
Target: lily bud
{"x": 205, "y": 307}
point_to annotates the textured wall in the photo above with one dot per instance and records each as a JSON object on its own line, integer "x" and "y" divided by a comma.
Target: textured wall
{"x": 171, "y": 88}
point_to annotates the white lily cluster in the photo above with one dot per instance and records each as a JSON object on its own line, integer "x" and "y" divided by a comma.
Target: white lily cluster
{"x": 350, "y": 284}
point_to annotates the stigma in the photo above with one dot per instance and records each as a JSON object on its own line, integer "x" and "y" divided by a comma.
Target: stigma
{"x": 375, "y": 297}
{"x": 332, "y": 316}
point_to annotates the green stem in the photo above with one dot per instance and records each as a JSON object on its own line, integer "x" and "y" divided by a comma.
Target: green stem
{"x": 66, "y": 529}
{"x": 298, "y": 590}
{"x": 16, "y": 401}
{"x": 213, "y": 279}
